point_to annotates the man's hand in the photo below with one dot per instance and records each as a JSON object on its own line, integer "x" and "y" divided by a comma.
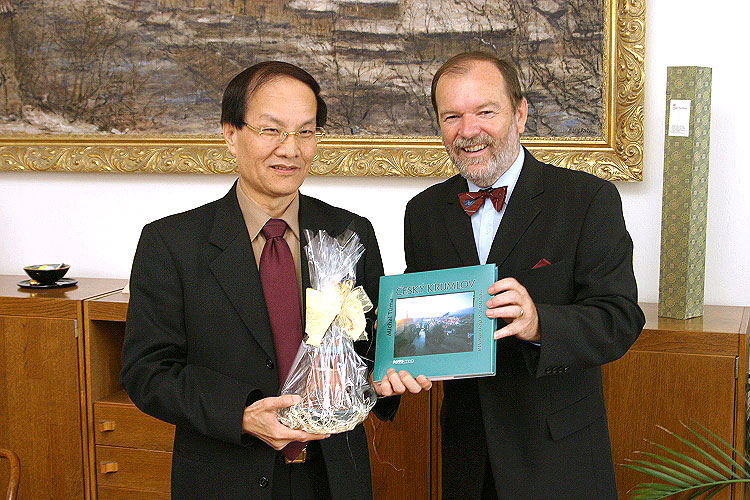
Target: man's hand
{"x": 260, "y": 420}
{"x": 513, "y": 304}
{"x": 399, "y": 382}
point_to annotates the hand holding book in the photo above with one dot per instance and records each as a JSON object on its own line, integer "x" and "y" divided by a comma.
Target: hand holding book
{"x": 399, "y": 382}
{"x": 512, "y": 303}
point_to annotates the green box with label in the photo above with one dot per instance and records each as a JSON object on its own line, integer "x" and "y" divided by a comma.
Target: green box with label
{"x": 685, "y": 192}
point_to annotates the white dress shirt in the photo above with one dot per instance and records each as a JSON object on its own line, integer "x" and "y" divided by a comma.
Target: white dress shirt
{"x": 486, "y": 220}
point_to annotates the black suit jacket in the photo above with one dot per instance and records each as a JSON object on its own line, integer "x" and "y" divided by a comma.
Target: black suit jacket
{"x": 198, "y": 348}
{"x": 542, "y": 417}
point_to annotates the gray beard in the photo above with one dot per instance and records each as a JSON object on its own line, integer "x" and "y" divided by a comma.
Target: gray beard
{"x": 496, "y": 166}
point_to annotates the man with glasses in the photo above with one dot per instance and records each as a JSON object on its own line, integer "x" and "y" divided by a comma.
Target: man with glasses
{"x": 215, "y": 314}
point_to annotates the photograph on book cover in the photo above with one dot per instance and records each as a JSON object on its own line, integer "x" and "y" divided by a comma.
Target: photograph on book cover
{"x": 434, "y": 323}
{"x": 134, "y": 86}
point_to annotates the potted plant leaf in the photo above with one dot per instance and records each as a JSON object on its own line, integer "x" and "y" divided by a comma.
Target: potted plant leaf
{"x": 717, "y": 466}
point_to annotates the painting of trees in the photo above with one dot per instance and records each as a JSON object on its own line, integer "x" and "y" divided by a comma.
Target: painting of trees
{"x": 144, "y": 67}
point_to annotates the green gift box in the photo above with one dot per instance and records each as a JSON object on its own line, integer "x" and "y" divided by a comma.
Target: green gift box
{"x": 685, "y": 195}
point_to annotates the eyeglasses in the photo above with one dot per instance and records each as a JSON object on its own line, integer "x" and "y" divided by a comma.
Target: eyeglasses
{"x": 278, "y": 135}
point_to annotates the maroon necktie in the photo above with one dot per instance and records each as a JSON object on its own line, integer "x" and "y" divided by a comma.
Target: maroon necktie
{"x": 279, "y": 279}
{"x": 472, "y": 201}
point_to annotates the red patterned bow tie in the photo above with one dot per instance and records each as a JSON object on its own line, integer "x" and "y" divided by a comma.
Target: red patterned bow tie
{"x": 472, "y": 201}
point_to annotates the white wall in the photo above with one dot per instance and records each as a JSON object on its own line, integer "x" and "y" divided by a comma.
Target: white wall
{"x": 92, "y": 221}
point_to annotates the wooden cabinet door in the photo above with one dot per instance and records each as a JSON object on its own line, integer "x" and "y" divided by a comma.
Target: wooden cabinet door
{"x": 40, "y": 405}
{"x": 647, "y": 388}
{"x": 400, "y": 451}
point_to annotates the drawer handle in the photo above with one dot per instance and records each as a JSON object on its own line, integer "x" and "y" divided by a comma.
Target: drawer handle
{"x": 108, "y": 467}
{"x": 106, "y": 425}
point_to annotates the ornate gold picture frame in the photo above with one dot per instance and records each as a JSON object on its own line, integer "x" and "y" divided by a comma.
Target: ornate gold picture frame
{"x": 616, "y": 154}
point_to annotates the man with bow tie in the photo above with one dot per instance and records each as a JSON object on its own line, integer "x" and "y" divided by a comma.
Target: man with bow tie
{"x": 566, "y": 302}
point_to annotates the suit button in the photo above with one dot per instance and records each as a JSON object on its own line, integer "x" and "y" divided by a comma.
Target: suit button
{"x": 263, "y": 482}
{"x": 548, "y": 369}
{"x": 269, "y": 364}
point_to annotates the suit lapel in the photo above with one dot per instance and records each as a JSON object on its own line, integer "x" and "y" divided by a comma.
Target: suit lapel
{"x": 457, "y": 223}
{"x": 235, "y": 270}
{"x": 524, "y": 206}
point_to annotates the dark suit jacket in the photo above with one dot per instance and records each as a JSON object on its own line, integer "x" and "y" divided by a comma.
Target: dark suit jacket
{"x": 198, "y": 348}
{"x": 542, "y": 417}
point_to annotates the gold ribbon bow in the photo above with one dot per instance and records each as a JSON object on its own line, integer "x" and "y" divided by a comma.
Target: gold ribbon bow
{"x": 341, "y": 303}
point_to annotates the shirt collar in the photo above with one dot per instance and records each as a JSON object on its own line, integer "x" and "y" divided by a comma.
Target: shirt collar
{"x": 255, "y": 217}
{"x": 509, "y": 177}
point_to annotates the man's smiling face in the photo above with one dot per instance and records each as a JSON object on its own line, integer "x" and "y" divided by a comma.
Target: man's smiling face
{"x": 272, "y": 170}
{"x": 480, "y": 127}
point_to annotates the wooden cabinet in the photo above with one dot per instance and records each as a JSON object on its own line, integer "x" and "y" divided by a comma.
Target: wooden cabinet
{"x": 400, "y": 451}
{"x": 678, "y": 371}
{"x": 43, "y": 415}
{"x": 79, "y": 436}
{"x": 131, "y": 452}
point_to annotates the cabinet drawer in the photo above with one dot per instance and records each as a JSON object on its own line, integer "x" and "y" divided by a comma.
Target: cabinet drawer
{"x": 125, "y": 425}
{"x": 128, "y": 468}
{"x": 104, "y": 493}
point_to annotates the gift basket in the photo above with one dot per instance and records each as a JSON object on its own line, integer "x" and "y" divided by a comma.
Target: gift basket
{"x": 327, "y": 373}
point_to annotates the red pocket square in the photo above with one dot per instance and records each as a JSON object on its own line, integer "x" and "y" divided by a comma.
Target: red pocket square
{"x": 541, "y": 263}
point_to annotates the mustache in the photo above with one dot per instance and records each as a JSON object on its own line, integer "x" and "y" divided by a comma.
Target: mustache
{"x": 463, "y": 142}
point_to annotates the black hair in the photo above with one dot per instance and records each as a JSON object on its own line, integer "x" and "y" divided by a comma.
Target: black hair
{"x": 244, "y": 85}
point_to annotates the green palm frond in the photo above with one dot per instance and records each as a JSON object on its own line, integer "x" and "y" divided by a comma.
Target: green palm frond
{"x": 719, "y": 466}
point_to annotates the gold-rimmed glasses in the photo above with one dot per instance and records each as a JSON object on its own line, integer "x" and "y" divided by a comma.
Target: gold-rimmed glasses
{"x": 279, "y": 135}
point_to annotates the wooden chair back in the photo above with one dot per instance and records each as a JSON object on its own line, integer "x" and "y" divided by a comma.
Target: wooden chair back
{"x": 15, "y": 473}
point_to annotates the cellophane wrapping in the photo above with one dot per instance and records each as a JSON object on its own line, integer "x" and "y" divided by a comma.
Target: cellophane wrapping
{"x": 327, "y": 372}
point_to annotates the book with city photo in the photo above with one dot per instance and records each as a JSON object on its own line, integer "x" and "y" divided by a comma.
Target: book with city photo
{"x": 434, "y": 323}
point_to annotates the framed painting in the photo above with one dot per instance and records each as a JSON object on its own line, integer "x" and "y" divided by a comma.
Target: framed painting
{"x": 136, "y": 85}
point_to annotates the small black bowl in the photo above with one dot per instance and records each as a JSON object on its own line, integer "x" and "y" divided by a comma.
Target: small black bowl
{"x": 47, "y": 274}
